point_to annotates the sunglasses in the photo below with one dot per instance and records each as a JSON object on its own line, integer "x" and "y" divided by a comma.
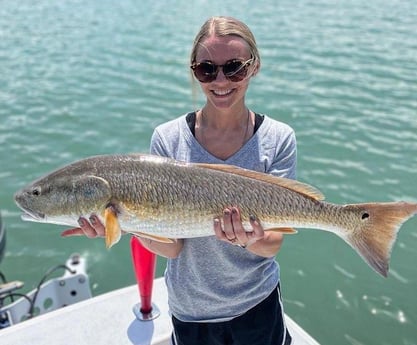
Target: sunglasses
{"x": 234, "y": 70}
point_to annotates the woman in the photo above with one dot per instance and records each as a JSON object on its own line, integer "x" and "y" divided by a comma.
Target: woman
{"x": 224, "y": 289}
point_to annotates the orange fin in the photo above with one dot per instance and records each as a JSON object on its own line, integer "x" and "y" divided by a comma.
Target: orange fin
{"x": 294, "y": 185}
{"x": 289, "y": 231}
{"x": 153, "y": 237}
{"x": 374, "y": 239}
{"x": 113, "y": 230}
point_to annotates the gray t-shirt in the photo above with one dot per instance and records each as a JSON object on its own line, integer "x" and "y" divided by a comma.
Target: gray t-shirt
{"x": 211, "y": 280}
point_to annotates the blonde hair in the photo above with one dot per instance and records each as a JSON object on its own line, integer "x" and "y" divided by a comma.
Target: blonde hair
{"x": 225, "y": 26}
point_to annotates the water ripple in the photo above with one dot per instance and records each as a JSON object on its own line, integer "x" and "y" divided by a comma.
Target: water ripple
{"x": 82, "y": 78}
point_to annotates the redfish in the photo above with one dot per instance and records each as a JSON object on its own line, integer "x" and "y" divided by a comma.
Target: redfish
{"x": 164, "y": 199}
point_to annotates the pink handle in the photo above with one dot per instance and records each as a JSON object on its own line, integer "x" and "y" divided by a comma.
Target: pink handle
{"x": 144, "y": 264}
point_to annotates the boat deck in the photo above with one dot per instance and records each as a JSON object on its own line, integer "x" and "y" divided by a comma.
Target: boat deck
{"x": 108, "y": 319}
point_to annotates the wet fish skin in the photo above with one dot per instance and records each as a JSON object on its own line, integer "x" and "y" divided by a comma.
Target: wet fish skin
{"x": 165, "y": 199}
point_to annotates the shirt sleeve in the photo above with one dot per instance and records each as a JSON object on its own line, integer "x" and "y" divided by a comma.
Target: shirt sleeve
{"x": 157, "y": 146}
{"x": 285, "y": 161}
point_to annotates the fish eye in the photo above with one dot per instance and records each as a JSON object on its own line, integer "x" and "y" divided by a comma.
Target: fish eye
{"x": 36, "y": 191}
{"x": 365, "y": 215}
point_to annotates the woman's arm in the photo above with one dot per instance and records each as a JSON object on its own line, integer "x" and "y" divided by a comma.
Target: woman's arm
{"x": 168, "y": 250}
{"x": 94, "y": 228}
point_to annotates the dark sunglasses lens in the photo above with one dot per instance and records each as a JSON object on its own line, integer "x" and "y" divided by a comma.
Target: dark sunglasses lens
{"x": 205, "y": 72}
{"x": 235, "y": 70}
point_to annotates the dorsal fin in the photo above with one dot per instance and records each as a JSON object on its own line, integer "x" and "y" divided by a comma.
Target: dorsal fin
{"x": 294, "y": 185}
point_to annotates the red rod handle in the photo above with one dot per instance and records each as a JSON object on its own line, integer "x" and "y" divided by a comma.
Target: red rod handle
{"x": 144, "y": 264}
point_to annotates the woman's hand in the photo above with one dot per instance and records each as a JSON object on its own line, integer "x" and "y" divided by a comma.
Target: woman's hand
{"x": 257, "y": 241}
{"x": 92, "y": 229}
{"x": 95, "y": 228}
{"x": 233, "y": 231}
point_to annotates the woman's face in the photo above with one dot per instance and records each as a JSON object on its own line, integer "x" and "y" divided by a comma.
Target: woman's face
{"x": 222, "y": 93}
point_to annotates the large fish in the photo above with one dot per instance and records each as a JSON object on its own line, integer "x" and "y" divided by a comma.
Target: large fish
{"x": 164, "y": 199}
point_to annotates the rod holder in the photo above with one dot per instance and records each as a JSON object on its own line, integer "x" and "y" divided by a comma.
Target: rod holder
{"x": 144, "y": 265}
{"x": 141, "y": 315}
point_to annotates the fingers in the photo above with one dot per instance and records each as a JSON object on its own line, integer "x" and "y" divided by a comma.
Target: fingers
{"x": 228, "y": 226}
{"x": 97, "y": 225}
{"x": 240, "y": 232}
{"x": 92, "y": 229}
{"x": 258, "y": 232}
{"x": 218, "y": 230}
{"x": 72, "y": 232}
{"x": 233, "y": 230}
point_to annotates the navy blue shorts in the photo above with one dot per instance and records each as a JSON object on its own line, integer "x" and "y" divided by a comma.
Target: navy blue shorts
{"x": 261, "y": 325}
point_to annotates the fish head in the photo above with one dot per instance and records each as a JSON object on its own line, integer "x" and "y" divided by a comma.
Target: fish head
{"x": 61, "y": 196}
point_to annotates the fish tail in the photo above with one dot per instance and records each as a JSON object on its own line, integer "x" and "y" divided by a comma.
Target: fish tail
{"x": 375, "y": 237}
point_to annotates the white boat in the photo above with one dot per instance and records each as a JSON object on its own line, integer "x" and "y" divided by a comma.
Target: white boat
{"x": 67, "y": 314}
{"x": 108, "y": 319}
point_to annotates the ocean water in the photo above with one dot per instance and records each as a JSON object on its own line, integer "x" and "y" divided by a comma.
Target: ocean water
{"x": 80, "y": 78}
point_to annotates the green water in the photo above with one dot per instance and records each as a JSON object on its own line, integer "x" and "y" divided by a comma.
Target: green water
{"x": 79, "y": 78}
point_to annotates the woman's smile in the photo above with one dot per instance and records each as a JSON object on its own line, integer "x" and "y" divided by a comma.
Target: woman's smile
{"x": 222, "y": 93}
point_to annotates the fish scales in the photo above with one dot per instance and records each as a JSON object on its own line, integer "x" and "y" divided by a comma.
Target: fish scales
{"x": 164, "y": 199}
{"x": 193, "y": 192}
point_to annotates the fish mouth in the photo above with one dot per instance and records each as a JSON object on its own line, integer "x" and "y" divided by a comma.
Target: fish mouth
{"x": 28, "y": 214}
{"x": 32, "y": 216}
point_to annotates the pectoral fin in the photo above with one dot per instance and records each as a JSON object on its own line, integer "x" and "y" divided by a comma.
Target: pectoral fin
{"x": 113, "y": 230}
{"x": 289, "y": 231}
